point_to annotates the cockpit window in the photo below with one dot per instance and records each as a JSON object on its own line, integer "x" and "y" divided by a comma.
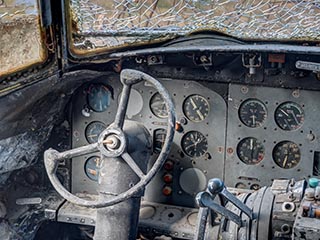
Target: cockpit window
{"x": 117, "y": 23}
{"x": 21, "y": 42}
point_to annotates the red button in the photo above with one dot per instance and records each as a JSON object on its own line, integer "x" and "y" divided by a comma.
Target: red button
{"x": 168, "y": 165}
{"x": 167, "y": 191}
{"x": 167, "y": 178}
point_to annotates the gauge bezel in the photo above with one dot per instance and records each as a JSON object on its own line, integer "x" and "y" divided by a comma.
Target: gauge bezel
{"x": 91, "y": 158}
{"x": 185, "y": 112}
{"x": 154, "y": 112}
{"x": 277, "y": 146}
{"x": 183, "y": 143}
{"x": 108, "y": 93}
{"x": 261, "y": 103}
{"x": 90, "y": 125}
{"x": 300, "y": 109}
{"x": 240, "y": 143}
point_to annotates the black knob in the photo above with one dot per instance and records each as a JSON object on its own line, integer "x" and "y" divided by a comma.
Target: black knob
{"x": 215, "y": 186}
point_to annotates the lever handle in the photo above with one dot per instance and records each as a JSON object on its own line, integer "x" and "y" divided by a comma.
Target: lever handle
{"x": 216, "y": 186}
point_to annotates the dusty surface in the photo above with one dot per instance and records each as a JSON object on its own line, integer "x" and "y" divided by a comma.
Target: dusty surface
{"x": 20, "y": 44}
{"x": 20, "y": 35}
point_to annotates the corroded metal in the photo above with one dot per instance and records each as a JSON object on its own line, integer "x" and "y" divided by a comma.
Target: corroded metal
{"x": 21, "y": 43}
{"x": 113, "y": 23}
{"x": 51, "y": 157}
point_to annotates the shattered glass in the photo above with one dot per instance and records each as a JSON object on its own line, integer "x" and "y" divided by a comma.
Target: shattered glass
{"x": 116, "y": 23}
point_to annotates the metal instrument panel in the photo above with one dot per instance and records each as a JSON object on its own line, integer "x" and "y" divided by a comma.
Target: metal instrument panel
{"x": 271, "y": 134}
{"x": 179, "y": 183}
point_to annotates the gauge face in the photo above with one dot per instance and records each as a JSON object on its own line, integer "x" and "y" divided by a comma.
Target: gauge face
{"x": 286, "y": 154}
{"x": 196, "y": 108}
{"x": 99, "y": 97}
{"x": 159, "y": 137}
{"x": 91, "y": 168}
{"x": 158, "y": 106}
{"x": 289, "y": 116}
{"x": 194, "y": 144}
{"x": 250, "y": 150}
{"x": 252, "y": 113}
{"x": 93, "y": 131}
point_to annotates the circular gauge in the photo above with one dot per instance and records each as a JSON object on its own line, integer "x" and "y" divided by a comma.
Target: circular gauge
{"x": 286, "y": 154}
{"x": 252, "y": 113}
{"x": 250, "y": 151}
{"x": 194, "y": 144}
{"x": 158, "y": 106}
{"x": 159, "y": 137}
{"x": 196, "y": 108}
{"x": 99, "y": 97}
{"x": 289, "y": 116}
{"x": 93, "y": 131}
{"x": 91, "y": 168}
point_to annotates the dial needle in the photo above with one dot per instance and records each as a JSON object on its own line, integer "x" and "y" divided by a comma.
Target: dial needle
{"x": 253, "y": 119}
{"x": 295, "y": 118}
{"x": 93, "y": 135}
{"x": 284, "y": 112}
{"x": 193, "y": 104}
{"x": 200, "y": 114}
{"x": 285, "y": 161}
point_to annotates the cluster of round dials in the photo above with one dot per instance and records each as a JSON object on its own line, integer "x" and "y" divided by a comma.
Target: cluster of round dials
{"x": 289, "y": 116}
{"x": 98, "y": 100}
{"x": 193, "y": 143}
{"x": 195, "y": 107}
{"x": 286, "y": 154}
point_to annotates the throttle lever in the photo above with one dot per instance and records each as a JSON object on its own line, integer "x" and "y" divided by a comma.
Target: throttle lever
{"x": 205, "y": 201}
{"x": 216, "y": 186}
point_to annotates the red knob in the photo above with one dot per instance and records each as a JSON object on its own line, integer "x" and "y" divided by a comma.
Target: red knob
{"x": 167, "y": 178}
{"x": 168, "y": 165}
{"x": 167, "y": 191}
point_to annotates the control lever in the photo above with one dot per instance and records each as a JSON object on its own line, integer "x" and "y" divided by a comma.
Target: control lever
{"x": 216, "y": 186}
{"x": 205, "y": 201}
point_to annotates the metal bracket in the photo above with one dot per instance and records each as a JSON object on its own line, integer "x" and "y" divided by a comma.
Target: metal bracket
{"x": 309, "y": 66}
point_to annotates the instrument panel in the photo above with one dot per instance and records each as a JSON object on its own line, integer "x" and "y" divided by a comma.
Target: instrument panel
{"x": 198, "y": 143}
{"x": 271, "y": 134}
{"x": 254, "y": 135}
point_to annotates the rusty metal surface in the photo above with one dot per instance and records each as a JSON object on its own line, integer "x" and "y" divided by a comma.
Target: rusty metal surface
{"x": 115, "y": 23}
{"x": 21, "y": 42}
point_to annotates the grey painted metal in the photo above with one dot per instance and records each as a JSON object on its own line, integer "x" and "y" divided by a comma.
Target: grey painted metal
{"x": 179, "y": 90}
{"x": 216, "y": 186}
{"x": 265, "y": 213}
{"x": 230, "y": 197}
{"x": 256, "y": 211}
{"x": 270, "y": 135}
{"x": 201, "y": 223}
{"x": 206, "y": 200}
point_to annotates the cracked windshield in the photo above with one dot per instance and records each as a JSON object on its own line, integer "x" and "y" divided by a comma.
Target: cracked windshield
{"x": 117, "y": 23}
